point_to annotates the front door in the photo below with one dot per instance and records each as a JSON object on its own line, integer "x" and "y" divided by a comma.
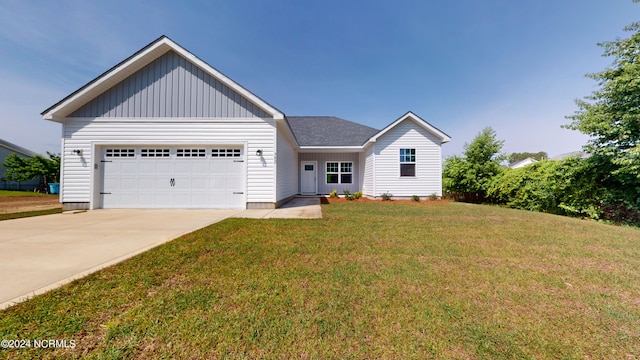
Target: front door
{"x": 308, "y": 177}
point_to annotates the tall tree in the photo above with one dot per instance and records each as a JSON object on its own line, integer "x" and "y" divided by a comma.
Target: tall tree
{"x": 468, "y": 177}
{"x": 611, "y": 114}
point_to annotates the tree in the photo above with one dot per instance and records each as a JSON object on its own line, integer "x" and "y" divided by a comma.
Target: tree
{"x": 515, "y": 157}
{"x": 22, "y": 169}
{"x": 467, "y": 178}
{"x": 611, "y": 114}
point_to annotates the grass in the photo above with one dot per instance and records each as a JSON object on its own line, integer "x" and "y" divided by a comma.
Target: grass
{"x": 23, "y": 214}
{"x": 369, "y": 280}
{"x": 15, "y": 193}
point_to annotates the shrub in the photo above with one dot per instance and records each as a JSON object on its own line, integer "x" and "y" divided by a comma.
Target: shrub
{"x": 357, "y": 195}
{"x": 434, "y": 196}
{"x": 415, "y": 198}
{"x": 333, "y": 194}
{"x": 386, "y": 196}
{"x": 347, "y": 194}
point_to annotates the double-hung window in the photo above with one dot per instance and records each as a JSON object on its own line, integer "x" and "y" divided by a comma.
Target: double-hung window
{"x": 339, "y": 172}
{"x": 408, "y": 162}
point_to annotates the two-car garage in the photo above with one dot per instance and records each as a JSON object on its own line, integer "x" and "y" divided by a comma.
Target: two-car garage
{"x": 185, "y": 176}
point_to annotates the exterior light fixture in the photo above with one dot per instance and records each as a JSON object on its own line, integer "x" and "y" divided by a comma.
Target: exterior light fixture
{"x": 78, "y": 152}
{"x": 259, "y": 152}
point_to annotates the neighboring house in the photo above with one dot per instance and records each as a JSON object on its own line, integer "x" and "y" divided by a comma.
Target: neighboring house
{"x": 563, "y": 156}
{"x": 523, "y": 163}
{"x": 164, "y": 129}
{"x": 6, "y": 149}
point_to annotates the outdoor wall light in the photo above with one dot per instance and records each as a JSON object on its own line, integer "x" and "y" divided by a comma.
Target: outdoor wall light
{"x": 77, "y": 152}
{"x": 259, "y": 152}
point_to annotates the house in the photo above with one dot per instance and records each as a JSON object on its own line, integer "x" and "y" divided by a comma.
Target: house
{"x": 6, "y": 149}
{"x": 164, "y": 129}
{"x": 523, "y": 163}
{"x": 578, "y": 154}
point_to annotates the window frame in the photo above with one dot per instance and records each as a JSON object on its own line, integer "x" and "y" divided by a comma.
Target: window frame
{"x": 408, "y": 157}
{"x": 338, "y": 172}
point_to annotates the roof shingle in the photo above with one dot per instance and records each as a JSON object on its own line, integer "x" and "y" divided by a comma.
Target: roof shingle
{"x": 329, "y": 131}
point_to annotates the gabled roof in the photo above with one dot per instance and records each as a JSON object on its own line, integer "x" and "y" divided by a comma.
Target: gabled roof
{"x": 136, "y": 62}
{"x": 416, "y": 119}
{"x": 16, "y": 148}
{"x": 329, "y": 131}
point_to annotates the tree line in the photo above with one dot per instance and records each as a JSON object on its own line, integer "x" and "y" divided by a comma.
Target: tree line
{"x": 603, "y": 185}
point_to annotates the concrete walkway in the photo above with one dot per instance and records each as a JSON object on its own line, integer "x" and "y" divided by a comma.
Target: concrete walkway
{"x": 44, "y": 252}
{"x": 297, "y": 208}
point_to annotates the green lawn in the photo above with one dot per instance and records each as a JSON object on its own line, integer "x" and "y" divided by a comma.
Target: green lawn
{"x": 369, "y": 280}
{"x": 14, "y": 193}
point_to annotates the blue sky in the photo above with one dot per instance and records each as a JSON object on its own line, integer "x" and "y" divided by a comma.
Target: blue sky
{"x": 462, "y": 65}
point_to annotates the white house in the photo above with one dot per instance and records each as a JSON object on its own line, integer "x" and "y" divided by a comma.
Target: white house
{"x": 163, "y": 129}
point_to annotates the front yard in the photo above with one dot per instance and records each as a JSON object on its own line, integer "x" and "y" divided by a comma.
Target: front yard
{"x": 16, "y": 204}
{"x": 369, "y": 280}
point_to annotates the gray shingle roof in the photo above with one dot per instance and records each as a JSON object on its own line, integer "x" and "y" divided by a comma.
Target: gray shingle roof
{"x": 16, "y": 148}
{"x": 329, "y": 131}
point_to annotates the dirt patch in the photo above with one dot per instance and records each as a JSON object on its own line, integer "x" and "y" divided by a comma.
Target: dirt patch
{"x": 16, "y": 204}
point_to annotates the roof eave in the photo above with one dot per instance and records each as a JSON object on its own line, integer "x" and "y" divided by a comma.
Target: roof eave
{"x": 331, "y": 149}
{"x": 444, "y": 138}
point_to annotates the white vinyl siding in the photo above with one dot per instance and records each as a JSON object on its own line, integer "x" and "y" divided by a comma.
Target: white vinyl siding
{"x": 84, "y": 134}
{"x": 287, "y": 168}
{"x": 428, "y": 178}
{"x": 368, "y": 171}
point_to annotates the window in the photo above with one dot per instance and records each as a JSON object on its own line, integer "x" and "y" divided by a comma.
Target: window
{"x": 225, "y": 153}
{"x": 407, "y": 162}
{"x": 120, "y": 153}
{"x": 339, "y": 172}
{"x": 345, "y": 172}
{"x": 191, "y": 153}
{"x": 154, "y": 152}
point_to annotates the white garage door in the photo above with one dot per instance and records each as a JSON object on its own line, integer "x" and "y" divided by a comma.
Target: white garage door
{"x": 173, "y": 177}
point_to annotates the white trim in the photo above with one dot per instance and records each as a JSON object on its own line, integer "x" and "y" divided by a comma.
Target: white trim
{"x": 419, "y": 121}
{"x": 339, "y": 173}
{"x": 137, "y": 62}
{"x": 331, "y": 149}
{"x": 182, "y": 120}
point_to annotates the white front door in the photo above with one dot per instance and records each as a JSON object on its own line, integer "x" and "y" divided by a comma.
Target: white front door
{"x": 308, "y": 177}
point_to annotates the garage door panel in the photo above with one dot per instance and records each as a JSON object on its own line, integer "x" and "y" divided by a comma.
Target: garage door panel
{"x": 168, "y": 177}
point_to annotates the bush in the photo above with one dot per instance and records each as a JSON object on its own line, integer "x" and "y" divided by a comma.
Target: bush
{"x": 386, "y": 196}
{"x": 333, "y": 194}
{"x": 434, "y": 196}
{"x": 573, "y": 186}
{"x": 357, "y": 195}
{"x": 347, "y": 194}
{"x": 415, "y": 198}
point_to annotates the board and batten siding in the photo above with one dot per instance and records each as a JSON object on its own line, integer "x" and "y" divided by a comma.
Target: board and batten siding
{"x": 428, "y": 179}
{"x": 83, "y": 134}
{"x": 322, "y": 159}
{"x": 286, "y": 167}
{"x": 170, "y": 86}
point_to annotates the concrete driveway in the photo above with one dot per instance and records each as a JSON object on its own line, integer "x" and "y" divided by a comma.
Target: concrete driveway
{"x": 40, "y": 253}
